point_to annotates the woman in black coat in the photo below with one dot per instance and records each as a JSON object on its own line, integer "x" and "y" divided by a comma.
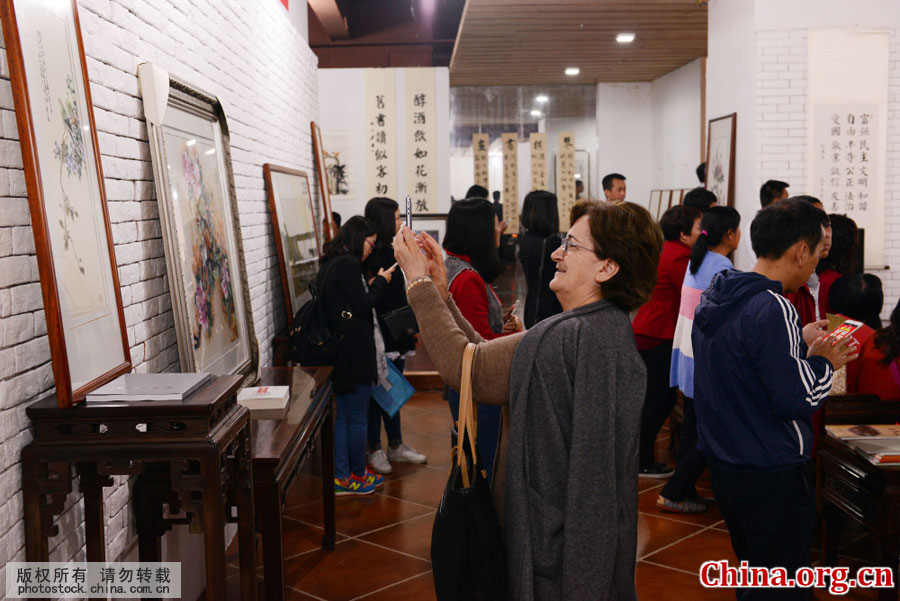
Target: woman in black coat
{"x": 540, "y": 218}
{"x": 349, "y": 300}
{"x": 384, "y": 214}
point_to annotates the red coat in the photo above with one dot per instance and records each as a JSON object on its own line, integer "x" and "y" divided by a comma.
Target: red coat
{"x": 805, "y": 304}
{"x": 826, "y": 279}
{"x": 867, "y": 375}
{"x": 470, "y": 295}
{"x": 657, "y": 318}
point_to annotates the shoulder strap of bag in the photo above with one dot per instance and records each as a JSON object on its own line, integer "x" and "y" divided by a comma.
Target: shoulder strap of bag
{"x": 895, "y": 372}
{"x": 466, "y": 426}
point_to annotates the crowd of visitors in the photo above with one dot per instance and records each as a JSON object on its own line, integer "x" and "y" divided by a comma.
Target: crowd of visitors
{"x": 570, "y": 403}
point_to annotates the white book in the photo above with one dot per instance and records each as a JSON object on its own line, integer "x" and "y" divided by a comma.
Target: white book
{"x": 149, "y": 387}
{"x": 264, "y": 397}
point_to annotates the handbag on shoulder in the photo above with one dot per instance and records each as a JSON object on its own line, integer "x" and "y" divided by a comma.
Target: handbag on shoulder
{"x": 468, "y": 557}
{"x": 313, "y": 342}
{"x": 401, "y": 322}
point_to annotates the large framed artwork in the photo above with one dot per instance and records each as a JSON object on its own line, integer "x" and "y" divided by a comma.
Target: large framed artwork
{"x": 435, "y": 224}
{"x": 66, "y": 196}
{"x": 720, "y": 158}
{"x": 201, "y": 231}
{"x": 329, "y": 228}
{"x": 296, "y": 235}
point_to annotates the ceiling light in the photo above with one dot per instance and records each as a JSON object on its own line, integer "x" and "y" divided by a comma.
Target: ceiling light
{"x": 625, "y": 38}
{"x": 541, "y": 98}
{"x": 535, "y": 113}
{"x": 572, "y": 70}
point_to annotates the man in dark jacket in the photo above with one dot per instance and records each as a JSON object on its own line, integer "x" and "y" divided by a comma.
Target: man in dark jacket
{"x": 756, "y": 383}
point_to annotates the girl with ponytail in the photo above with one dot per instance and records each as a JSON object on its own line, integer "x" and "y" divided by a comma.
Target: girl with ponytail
{"x": 720, "y": 235}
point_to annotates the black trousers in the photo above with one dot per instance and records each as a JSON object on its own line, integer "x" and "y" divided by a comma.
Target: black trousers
{"x": 770, "y": 519}
{"x": 659, "y": 399}
{"x": 690, "y": 462}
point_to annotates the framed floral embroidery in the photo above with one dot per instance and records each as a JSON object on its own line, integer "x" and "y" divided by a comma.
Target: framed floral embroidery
{"x": 720, "y": 158}
{"x": 200, "y": 226}
{"x": 66, "y": 196}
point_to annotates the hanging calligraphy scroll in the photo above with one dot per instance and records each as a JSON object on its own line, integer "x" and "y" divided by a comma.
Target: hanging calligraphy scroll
{"x": 538, "y": 161}
{"x": 421, "y": 137}
{"x": 510, "y": 143}
{"x": 565, "y": 177}
{"x": 381, "y": 160}
{"x": 480, "y": 144}
{"x": 847, "y": 128}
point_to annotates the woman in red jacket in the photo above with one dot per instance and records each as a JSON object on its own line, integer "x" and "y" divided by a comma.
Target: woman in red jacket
{"x": 473, "y": 235}
{"x": 654, "y": 329}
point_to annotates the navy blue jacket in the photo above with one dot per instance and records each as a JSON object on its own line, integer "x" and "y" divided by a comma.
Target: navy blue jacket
{"x": 754, "y": 388}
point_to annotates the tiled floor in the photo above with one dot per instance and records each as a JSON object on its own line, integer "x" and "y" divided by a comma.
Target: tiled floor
{"x": 384, "y": 539}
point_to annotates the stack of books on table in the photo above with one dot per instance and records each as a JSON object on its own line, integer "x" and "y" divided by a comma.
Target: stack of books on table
{"x": 265, "y": 402}
{"x": 148, "y": 387}
{"x": 879, "y": 443}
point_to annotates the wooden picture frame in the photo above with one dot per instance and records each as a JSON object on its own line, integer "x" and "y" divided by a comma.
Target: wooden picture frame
{"x": 66, "y": 196}
{"x": 201, "y": 229}
{"x": 655, "y": 201}
{"x": 294, "y": 225}
{"x": 720, "y": 158}
{"x": 329, "y": 227}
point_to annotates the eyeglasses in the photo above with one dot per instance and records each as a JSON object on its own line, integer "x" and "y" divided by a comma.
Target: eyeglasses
{"x": 369, "y": 242}
{"x": 568, "y": 243}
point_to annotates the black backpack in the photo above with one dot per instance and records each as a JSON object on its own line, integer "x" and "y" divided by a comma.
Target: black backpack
{"x": 313, "y": 342}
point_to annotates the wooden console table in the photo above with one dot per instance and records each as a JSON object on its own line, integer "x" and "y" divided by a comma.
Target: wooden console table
{"x": 196, "y": 452}
{"x": 868, "y": 493}
{"x": 280, "y": 448}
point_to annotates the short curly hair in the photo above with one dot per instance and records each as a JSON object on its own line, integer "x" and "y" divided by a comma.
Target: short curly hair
{"x": 627, "y": 234}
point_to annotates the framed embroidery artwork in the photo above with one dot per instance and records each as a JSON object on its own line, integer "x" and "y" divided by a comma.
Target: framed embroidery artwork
{"x": 296, "y": 235}
{"x": 66, "y": 196}
{"x": 200, "y": 226}
{"x": 720, "y": 158}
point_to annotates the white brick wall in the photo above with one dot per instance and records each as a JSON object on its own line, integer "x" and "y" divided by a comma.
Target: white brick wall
{"x": 261, "y": 67}
{"x": 781, "y": 133}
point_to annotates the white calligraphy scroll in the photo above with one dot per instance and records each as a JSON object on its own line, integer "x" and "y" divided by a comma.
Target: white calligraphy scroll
{"x": 565, "y": 177}
{"x": 510, "y": 143}
{"x": 381, "y": 132}
{"x": 847, "y": 95}
{"x": 421, "y": 137}
{"x": 538, "y": 161}
{"x": 480, "y": 145}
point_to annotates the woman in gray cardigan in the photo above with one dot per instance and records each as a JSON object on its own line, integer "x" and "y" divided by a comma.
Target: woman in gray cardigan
{"x": 574, "y": 385}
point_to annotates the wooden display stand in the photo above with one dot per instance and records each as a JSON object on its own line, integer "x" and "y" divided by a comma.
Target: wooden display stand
{"x": 280, "y": 448}
{"x": 193, "y": 455}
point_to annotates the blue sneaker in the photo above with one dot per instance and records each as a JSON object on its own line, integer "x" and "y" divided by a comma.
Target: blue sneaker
{"x": 372, "y": 478}
{"x": 352, "y": 486}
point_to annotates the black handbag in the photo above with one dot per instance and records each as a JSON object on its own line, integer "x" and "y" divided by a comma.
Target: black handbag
{"x": 313, "y": 342}
{"x": 468, "y": 557}
{"x": 401, "y": 323}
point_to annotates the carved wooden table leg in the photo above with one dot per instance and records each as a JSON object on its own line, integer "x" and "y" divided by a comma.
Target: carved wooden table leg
{"x": 91, "y": 485}
{"x": 32, "y": 499}
{"x": 242, "y": 476}
{"x": 328, "y": 476}
{"x": 269, "y": 514}
{"x": 213, "y": 504}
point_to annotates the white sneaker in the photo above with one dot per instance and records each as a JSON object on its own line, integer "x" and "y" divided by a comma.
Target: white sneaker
{"x": 407, "y": 454}
{"x": 379, "y": 462}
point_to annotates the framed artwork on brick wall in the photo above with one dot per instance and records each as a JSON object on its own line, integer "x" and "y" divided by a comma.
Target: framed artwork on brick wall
{"x": 296, "y": 235}
{"x": 66, "y": 196}
{"x": 200, "y": 226}
{"x": 720, "y": 158}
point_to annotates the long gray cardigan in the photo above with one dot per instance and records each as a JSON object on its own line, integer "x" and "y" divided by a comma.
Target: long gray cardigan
{"x": 575, "y": 388}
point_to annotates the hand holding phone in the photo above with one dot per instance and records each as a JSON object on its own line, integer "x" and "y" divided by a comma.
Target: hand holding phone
{"x": 409, "y": 212}
{"x": 845, "y": 329}
{"x": 512, "y": 311}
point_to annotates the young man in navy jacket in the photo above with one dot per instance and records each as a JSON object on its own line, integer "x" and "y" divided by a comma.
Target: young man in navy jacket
{"x": 757, "y": 380}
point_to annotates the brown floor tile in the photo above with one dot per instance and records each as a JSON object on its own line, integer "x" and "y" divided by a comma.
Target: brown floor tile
{"x": 354, "y": 568}
{"x": 426, "y": 401}
{"x": 647, "y": 504}
{"x": 434, "y": 423}
{"x": 300, "y": 538}
{"x": 657, "y": 583}
{"x": 689, "y": 554}
{"x": 425, "y": 486}
{"x": 304, "y": 489}
{"x": 420, "y": 588}
{"x": 412, "y": 537}
{"x": 357, "y": 515}
{"x": 655, "y": 532}
{"x": 648, "y": 483}
{"x": 292, "y": 595}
